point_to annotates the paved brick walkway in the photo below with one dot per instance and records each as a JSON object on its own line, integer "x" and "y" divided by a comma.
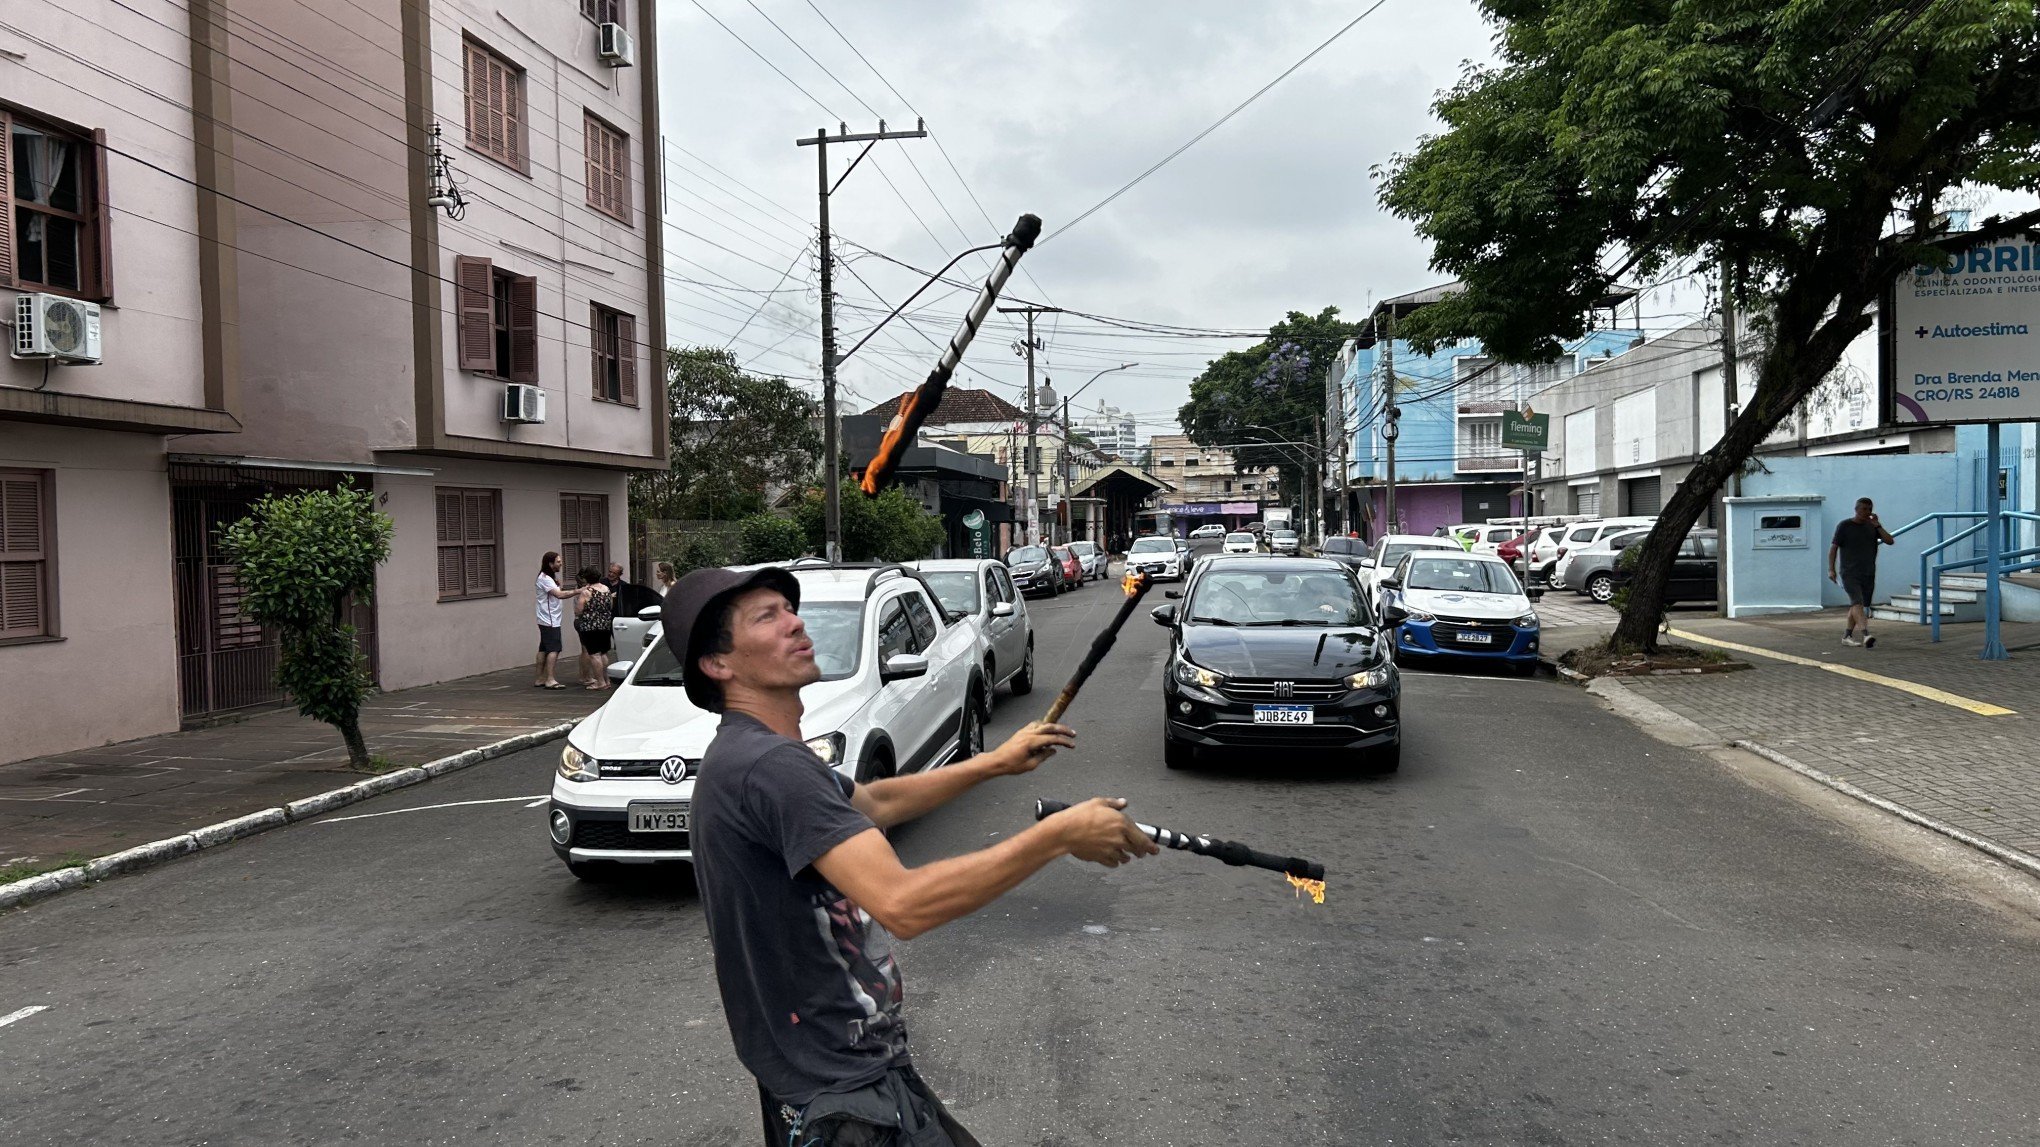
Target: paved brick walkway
{"x": 95, "y": 801}
{"x": 1978, "y": 773}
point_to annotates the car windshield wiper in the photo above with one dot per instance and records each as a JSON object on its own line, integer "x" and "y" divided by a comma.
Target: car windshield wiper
{"x": 1214, "y": 621}
{"x": 1312, "y": 622}
{"x": 658, "y": 679}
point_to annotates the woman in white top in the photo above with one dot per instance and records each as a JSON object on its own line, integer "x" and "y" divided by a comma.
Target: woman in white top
{"x": 550, "y": 614}
{"x": 663, "y": 573}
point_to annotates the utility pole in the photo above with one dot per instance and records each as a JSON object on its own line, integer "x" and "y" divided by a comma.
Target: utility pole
{"x": 1389, "y": 430}
{"x": 1067, "y": 477}
{"x": 1033, "y": 416}
{"x": 832, "y": 494}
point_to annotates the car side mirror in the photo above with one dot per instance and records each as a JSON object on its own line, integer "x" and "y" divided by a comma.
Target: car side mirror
{"x": 1391, "y": 582}
{"x": 620, "y": 670}
{"x": 1173, "y": 594}
{"x": 651, "y": 613}
{"x": 902, "y": 666}
{"x": 1367, "y": 563}
{"x": 1002, "y": 609}
{"x": 1164, "y": 615}
{"x": 1394, "y": 614}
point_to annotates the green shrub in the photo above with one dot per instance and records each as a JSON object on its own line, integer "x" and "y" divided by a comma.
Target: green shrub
{"x": 770, "y": 538}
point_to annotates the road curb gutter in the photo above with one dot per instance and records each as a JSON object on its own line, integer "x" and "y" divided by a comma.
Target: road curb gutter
{"x": 213, "y": 835}
{"x": 2024, "y": 861}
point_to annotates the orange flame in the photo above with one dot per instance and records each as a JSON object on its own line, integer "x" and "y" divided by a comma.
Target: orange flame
{"x": 1131, "y": 583}
{"x": 1316, "y": 888}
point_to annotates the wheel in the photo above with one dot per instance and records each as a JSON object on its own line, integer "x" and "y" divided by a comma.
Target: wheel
{"x": 1523, "y": 668}
{"x": 879, "y": 768}
{"x": 1387, "y": 758}
{"x": 970, "y": 739}
{"x": 1023, "y": 681}
{"x": 1601, "y": 587}
{"x": 1176, "y": 754}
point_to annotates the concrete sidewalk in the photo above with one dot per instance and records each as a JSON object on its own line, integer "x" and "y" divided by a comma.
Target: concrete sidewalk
{"x": 85, "y": 804}
{"x": 1925, "y": 726}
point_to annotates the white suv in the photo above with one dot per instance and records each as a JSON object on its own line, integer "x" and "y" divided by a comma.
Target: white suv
{"x": 1155, "y": 555}
{"x": 902, "y": 689}
{"x": 981, "y": 592}
{"x": 1580, "y": 535}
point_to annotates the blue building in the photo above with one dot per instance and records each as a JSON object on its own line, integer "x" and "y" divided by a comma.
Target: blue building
{"x": 1450, "y": 465}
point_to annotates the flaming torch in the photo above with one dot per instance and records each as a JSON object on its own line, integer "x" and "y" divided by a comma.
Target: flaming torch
{"x": 1136, "y": 587}
{"x": 1304, "y": 875}
{"x": 919, "y": 404}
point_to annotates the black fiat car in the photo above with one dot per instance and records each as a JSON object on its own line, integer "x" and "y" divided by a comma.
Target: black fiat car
{"x": 1278, "y": 653}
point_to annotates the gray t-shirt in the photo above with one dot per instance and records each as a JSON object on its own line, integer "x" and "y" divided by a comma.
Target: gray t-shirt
{"x": 808, "y": 981}
{"x": 1857, "y": 543}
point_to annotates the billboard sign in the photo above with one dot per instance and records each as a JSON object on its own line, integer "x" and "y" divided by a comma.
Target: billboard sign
{"x": 1965, "y": 340}
{"x": 1526, "y": 431}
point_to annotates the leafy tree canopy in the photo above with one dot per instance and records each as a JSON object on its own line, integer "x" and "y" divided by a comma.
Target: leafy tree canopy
{"x": 1791, "y": 139}
{"x": 891, "y": 527}
{"x": 733, "y": 434}
{"x": 1268, "y": 391}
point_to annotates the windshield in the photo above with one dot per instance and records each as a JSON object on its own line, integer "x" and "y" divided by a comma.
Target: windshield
{"x": 1248, "y": 538}
{"x": 834, "y": 626}
{"x": 1284, "y": 533}
{"x": 1083, "y": 549}
{"x": 1151, "y": 545}
{"x": 1392, "y": 554}
{"x": 1459, "y": 575}
{"x": 1266, "y": 597}
{"x": 957, "y": 590}
{"x": 1027, "y": 556}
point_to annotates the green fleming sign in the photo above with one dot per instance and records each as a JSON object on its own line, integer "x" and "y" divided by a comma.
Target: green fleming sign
{"x": 1522, "y": 430}
{"x": 980, "y": 534}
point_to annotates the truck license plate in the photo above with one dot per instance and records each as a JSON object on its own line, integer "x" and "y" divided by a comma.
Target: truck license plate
{"x": 1284, "y": 715}
{"x": 659, "y": 816}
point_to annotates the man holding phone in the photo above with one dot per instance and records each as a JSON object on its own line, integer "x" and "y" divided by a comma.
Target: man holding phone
{"x": 1855, "y": 543}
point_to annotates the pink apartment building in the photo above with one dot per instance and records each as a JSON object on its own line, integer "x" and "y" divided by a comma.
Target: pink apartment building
{"x": 245, "y": 190}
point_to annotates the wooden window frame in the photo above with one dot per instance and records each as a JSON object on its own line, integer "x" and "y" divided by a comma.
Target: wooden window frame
{"x": 95, "y": 242}
{"x": 491, "y": 303}
{"x": 593, "y": 11}
{"x": 466, "y": 496}
{"x": 574, "y": 543}
{"x": 44, "y": 555}
{"x": 606, "y": 151}
{"x": 498, "y": 113}
{"x": 613, "y": 355}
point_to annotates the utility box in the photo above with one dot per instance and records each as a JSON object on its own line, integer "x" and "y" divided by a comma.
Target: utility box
{"x": 1775, "y": 548}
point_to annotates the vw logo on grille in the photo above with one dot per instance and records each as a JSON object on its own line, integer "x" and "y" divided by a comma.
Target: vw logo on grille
{"x": 1285, "y": 690}
{"x": 673, "y": 770}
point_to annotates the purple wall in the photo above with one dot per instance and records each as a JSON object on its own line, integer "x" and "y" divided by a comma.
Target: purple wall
{"x": 1424, "y": 508}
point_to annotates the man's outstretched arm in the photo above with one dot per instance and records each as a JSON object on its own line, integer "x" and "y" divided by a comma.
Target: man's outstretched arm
{"x": 910, "y": 901}
{"x": 897, "y": 800}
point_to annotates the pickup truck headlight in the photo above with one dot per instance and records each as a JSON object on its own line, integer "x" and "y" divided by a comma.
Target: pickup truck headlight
{"x": 1192, "y": 674}
{"x": 576, "y": 765}
{"x": 1375, "y": 678}
{"x": 829, "y": 747}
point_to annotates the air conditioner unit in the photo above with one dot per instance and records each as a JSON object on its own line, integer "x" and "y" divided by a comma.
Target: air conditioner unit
{"x": 523, "y": 403}
{"x": 56, "y": 327}
{"x": 612, "y": 43}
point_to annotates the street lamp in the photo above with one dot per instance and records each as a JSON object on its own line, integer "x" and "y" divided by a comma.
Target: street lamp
{"x": 1066, "y": 476}
{"x": 1312, "y": 470}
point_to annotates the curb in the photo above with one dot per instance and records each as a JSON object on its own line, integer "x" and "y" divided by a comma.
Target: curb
{"x": 213, "y": 835}
{"x": 2025, "y": 861}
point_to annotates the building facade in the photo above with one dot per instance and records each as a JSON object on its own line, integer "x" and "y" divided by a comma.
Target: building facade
{"x": 1207, "y": 488}
{"x": 362, "y": 238}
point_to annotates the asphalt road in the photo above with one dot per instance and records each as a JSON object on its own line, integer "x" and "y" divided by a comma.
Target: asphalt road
{"x": 1548, "y": 928}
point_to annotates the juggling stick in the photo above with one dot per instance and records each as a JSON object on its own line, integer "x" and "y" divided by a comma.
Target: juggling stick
{"x": 1306, "y": 875}
{"x": 922, "y": 401}
{"x": 1136, "y": 587}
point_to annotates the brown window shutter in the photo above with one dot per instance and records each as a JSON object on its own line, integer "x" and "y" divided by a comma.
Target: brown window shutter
{"x": 101, "y": 286}
{"x": 626, "y": 359}
{"x": 475, "y": 290}
{"x": 24, "y": 566}
{"x": 6, "y": 201}
{"x": 524, "y": 329}
{"x": 595, "y": 349}
{"x": 513, "y": 119}
{"x": 591, "y": 149}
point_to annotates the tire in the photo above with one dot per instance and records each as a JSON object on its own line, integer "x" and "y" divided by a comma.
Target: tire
{"x": 1386, "y": 759}
{"x": 592, "y": 871}
{"x": 1601, "y": 587}
{"x": 879, "y": 768}
{"x": 1023, "y": 682}
{"x": 970, "y": 736}
{"x": 1176, "y": 754}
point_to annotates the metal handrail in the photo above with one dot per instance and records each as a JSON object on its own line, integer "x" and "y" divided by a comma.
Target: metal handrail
{"x": 1930, "y": 577}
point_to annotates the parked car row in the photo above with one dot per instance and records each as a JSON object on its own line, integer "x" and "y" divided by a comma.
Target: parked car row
{"x": 910, "y": 659}
{"x": 1050, "y": 570}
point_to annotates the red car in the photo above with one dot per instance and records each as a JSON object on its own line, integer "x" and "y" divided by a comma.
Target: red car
{"x": 1072, "y": 566}
{"x": 1511, "y": 551}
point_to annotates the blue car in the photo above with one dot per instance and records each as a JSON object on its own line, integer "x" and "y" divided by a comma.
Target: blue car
{"x": 1461, "y": 606}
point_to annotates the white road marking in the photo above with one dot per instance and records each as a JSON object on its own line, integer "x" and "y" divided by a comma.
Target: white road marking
{"x": 539, "y": 801}
{"x": 23, "y": 1014}
{"x": 428, "y": 808}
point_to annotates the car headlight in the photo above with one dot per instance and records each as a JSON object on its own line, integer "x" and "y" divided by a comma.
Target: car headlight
{"x": 1192, "y": 674}
{"x": 1375, "y": 678}
{"x": 576, "y": 765}
{"x": 1527, "y": 621}
{"x": 1419, "y": 615}
{"x": 829, "y": 747}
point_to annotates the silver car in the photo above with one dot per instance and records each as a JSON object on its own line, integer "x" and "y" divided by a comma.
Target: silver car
{"x": 1092, "y": 558}
{"x": 981, "y": 592}
{"x": 1591, "y": 571}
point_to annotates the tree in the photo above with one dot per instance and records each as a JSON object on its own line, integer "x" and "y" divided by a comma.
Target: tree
{"x": 1780, "y": 137}
{"x": 771, "y": 538}
{"x": 301, "y": 556}
{"x": 1278, "y": 385}
{"x": 891, "y": 527}
{"x": 732, "y": 435}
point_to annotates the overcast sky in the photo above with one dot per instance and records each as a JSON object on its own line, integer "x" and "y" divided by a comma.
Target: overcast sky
{"x": 1047, "y": 106}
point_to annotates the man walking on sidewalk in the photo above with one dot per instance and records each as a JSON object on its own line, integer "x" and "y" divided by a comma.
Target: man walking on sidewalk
{"x": 1855, "y": 542}
{"x": 801, "y": 889}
